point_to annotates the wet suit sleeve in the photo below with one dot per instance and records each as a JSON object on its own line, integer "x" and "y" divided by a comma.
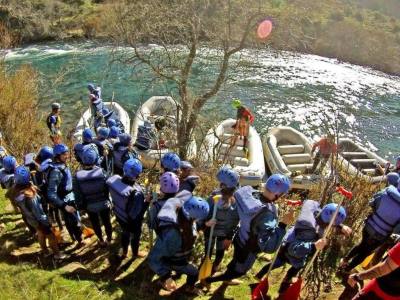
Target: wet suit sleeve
{"x": 55, "y": 178}
{"x": 136, "y": 206}
{"x": 270, "y": 233}
{"x": 301, "y": 249}
{"x": 376, "y": 200}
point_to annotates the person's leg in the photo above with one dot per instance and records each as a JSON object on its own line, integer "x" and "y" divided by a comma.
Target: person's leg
{"x": 317, "y": 159}
{"x": 71, "y": 222}
{"x": 125, "y": 237}
{"x": 241, "y": 262}
{"x": 190, "y": 270}
{"x": 287, "y": 280}
{"x": 57, "y": 217}
{"x": 361, "y": 251}
{"x": 106, "y": 220}
{"x": 324, "y": 160}
{"x": 53, "y": 243}
{"x": 95, "y": 221}
{"x": 136, "y": 233}
{"x": 42, "y": 240}
{"x": 219, "y": 254}
{"x": 279, "y": 262}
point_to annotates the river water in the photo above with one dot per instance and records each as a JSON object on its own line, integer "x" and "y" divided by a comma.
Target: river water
{"x": 307, "y": 92}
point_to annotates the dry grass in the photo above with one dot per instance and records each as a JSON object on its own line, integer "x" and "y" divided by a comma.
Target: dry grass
{"x": 19, "y": 123}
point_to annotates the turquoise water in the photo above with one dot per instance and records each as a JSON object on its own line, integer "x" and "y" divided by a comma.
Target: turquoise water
{"x": 285, "y": 88}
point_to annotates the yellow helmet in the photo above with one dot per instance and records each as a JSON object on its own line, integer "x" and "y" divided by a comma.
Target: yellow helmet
{"x": 236, "y": 103}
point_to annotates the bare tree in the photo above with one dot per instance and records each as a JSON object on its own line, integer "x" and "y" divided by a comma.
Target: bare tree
{"x": 188, "y": 34}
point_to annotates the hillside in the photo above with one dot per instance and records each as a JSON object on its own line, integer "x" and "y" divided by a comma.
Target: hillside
{"x": 365, "y": 32}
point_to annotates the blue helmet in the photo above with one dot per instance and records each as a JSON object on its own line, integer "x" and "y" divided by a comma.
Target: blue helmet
{"x": 125, "y": 139}
{"x": 22, "y": 175}
{"x": 278, "y": 184}
{"x": 328, "y": 211}
{"x": 186, "y": 165}
{"x": 132, "y": 168}
{"x": 171, "y": 161}
{"x": 103, "y": 132}
{"x": 114, "y": 132}
{"x": 45, "y": 152}
{"x": 393, "y": 178}
{"x": 111, "y": 123}
{"x": 9, "y": 163}
{"x": 228, "y": 177}
{"x": 90, "y": 156}
{"x": 60, "y": 149}
{"x": 196, "y": 208}
{"x": 91, "y": 87}
{"x": 87, "y": 135}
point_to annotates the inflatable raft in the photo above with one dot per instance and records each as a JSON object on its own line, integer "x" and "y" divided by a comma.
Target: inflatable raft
{"x": 218, "y": 147}
{"x": 288, "y": 151}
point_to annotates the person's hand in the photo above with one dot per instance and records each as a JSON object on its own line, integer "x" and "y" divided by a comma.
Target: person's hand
{"x": 70, "y": 209}
{"x": 227, "y": 244}
{"x": 288, "y": 218}
{"x": 352, "y": 280}
{"x": 211, "y": 223}
{"x": 320, "y": 244}
{"x": 346, "y": 230}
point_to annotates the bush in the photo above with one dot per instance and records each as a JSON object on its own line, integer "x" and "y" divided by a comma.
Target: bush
{"x": 19, "y": 123}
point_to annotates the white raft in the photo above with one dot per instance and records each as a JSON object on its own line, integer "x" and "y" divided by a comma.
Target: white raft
{"x": 86, "y": 119}
{"x": 217, "y": 146}
{"x": 359, "y": 161}
{"x": 154, "y": 108}
{"x": 288, "y": 151}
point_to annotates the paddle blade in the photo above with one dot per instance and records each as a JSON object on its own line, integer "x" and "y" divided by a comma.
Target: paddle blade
{"x": 261, "y": 290}
{"x": 87, "y": 232}
{"x": 205, "y": 269}
{"x": 366, "y": 261}
{"x": 293, "y": 291}
{"x": 344, "y": 192}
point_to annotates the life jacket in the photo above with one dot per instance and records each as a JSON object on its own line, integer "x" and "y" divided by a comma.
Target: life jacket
{"x": 120, "y": 155}
{"x": 248, "y": 205}
{"x": 189, "y": 183}
{"x": 92, "y": 184}
{"x": 186, "y": 230}
{"x": 65, "y": 187}
{"x": 6, "y": 179}
{"x": 3, "y": 153}
{"x": 121, "y": 193}
{"x": 168, "y": 212}
{"x": 32, "y": 209}
{"x": 227, "y": 217}
{"x": 145, "y": 136}
{"x": 49, "y": 123}
{"x": 305, "y": 230}
{"x": 386, "y": 215}
{"x": 244, "y": 112}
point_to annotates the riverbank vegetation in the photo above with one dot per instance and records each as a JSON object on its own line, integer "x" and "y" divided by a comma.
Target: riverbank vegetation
{"x": 360, "y": 32}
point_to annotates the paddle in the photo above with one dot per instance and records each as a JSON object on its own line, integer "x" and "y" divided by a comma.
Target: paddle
{"x": 293, "y": 291}
{"x": 206, "y": 267}
{"x": 263, "y": 286}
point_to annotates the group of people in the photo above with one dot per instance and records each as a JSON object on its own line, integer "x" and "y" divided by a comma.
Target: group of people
{"x": 244, "y": 217}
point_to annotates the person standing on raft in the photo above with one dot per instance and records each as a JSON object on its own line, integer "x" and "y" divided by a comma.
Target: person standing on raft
{"x": 244, "y": 118}
{"x": 326, "y": 147}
